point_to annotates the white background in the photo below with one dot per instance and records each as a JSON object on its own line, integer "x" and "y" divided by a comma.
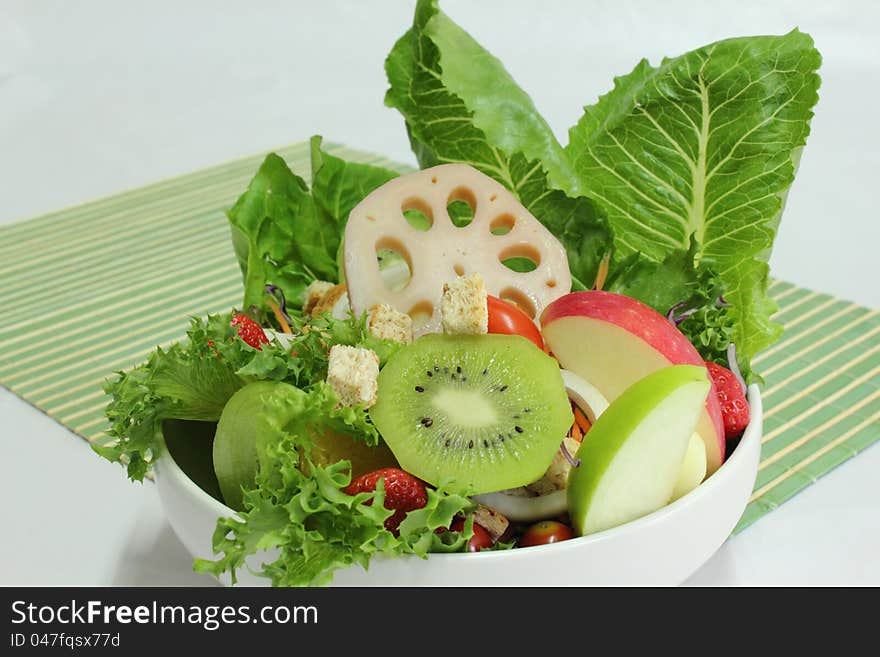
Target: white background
{"x": 97, "y": 97}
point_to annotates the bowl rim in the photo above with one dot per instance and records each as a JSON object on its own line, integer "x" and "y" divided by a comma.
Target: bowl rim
{"x": 752, "y": 434}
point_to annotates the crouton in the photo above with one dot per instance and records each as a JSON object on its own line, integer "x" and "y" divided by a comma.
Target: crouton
{"x": 386, "y": 323}
{"x": 353, "y": 373}
{"x": 334, "y": 301}
{"x": 316, "y": 291}
{"x": 493, "y": 522}
{"x": 463, "y": 305}
{"x": 556, "y": 477}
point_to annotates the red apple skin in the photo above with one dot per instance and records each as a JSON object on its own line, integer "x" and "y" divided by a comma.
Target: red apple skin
{"x": 644, "y": 322}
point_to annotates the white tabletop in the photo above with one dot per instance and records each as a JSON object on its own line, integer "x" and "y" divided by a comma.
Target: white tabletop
{"x": 97, "y": 97}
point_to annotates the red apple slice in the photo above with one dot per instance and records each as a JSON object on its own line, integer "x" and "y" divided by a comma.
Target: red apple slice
{"x": 613, "y": 341}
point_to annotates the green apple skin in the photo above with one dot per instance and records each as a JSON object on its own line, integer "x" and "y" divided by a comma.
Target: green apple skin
{"x": 612, "y": 341}
{"x": 636, "y": 448}
{"x": 693, "y": 468}
{"x": 254, "y": 415}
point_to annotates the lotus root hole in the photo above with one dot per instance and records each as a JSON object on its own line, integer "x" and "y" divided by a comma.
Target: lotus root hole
{"x": 521, "y": 258}
{"x": 461, "y": 206}
{"x": 394, "y": 262}
{"x": 418, "y": 213}
{"x": 421, "y": 314}
{"x": 519, "y": 299}
{"x": 502, "y": 225}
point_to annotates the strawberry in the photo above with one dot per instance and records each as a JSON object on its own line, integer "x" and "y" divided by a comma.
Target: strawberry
{"x": 249, "y": 330}
{"x": 403, "y": 493}
{"x": 734, "y": 407}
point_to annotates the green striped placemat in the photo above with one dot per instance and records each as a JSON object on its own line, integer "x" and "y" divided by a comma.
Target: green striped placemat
{"x": 105, "y": 282}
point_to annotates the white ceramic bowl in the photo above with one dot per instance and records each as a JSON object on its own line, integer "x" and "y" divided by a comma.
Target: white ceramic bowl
{"x": 662, "y": 548}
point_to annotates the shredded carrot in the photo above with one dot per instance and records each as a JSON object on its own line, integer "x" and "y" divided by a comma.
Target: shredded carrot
{"x": 576, "y": 432}
{"x": 581, "y": 420}
{"x": 277, "y": 312}
{"x": 602, "y": 273}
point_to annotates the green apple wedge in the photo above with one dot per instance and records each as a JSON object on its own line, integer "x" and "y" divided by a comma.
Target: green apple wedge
{"x": 257, "y": 415}
{"x": 258, "y": 412}
{"x": 633, "y": 454}
{"x": 693, "y": 468}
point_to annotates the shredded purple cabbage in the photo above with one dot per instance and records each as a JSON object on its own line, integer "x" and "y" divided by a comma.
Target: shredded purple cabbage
{"x": 678, "y": 319}
{"x": 671, "y": 314}
{"x": 721, "y": 303}
{"x": 733, "y": 366}
{"x": 685, "y": 315}
{"x": 575, "y": 463}
{"x": 278, "y": 293}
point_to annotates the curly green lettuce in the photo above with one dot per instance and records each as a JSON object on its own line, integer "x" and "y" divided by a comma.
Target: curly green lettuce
{"x": 299, "y": 525}
{"x": 679, "y": 286}
{"x": 194, "y": 378}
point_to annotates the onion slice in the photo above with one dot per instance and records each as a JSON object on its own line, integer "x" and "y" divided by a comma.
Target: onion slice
{"x": 283, "y": 338}
{"x": 575, "y": 463}
{"x": 525, "y": 509}
{"x": 585, "y": 395}
{"x": 733, "y": 366}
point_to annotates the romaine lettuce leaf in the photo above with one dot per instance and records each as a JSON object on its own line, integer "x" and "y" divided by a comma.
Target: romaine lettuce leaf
{"x": 488, "y": 98}
{"x": 289, "y": 242}
{"x": 460, "y": 105}
{"x": 338, "y": 185}
{"x": 287, "y": 235}
{"x": 705, "y": 145}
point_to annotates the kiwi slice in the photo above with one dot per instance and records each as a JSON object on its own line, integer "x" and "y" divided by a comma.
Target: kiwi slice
{"x": 488, "y": 411}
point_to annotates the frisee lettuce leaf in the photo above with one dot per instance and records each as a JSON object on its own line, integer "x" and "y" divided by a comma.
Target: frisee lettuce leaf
{"x": 460, "y": 105}
{"x": 305, "y": 516}
{"x": 704, "y": 146}
{"x": 677, "y": 281}
{"x": 193, "y": 379}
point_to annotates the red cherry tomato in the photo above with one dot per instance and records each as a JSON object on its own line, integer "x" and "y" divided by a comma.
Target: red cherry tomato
{"x": 480, "y": 539}
{"x": 544, "y": 533}
{"x": 508, "y": 319}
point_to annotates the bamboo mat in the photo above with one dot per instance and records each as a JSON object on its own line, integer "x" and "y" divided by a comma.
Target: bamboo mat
{"x": 105, "y": 282}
